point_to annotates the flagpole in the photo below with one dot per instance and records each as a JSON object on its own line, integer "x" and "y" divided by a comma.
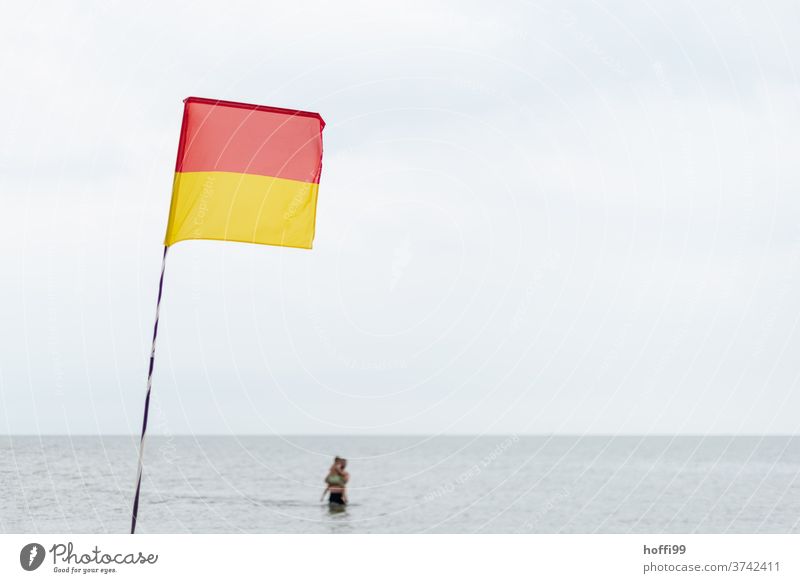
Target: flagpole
{"x": 147, "y": 396}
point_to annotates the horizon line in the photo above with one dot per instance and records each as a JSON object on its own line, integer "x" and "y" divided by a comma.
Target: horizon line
{"x": 512, "y": 434}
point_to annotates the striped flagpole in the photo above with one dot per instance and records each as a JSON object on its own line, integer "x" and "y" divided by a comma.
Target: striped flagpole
{"x": 147, "y": 397}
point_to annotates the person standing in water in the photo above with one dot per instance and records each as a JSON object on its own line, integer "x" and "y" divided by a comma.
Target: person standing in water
{"x": 336, "y": 482}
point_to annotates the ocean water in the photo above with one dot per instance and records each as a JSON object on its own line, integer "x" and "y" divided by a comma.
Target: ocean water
{"x": 404, "y": 484}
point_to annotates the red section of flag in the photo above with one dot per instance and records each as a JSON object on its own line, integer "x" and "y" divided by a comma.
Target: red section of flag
{"x": 225, "y": 136}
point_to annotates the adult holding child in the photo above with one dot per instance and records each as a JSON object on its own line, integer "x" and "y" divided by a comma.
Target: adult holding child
{"x": 336, "y": 484}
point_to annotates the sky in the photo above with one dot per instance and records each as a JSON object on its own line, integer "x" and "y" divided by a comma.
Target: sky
{"x": 534, "y": 217}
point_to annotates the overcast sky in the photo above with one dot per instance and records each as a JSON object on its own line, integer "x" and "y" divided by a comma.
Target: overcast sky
{"x": 533, "y": 217}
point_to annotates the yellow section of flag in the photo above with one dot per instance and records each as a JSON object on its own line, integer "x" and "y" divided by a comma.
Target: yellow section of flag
{"x": 231, "y": 206}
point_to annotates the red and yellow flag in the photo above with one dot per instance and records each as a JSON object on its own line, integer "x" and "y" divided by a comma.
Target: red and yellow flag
{"x": 246, "y": 173}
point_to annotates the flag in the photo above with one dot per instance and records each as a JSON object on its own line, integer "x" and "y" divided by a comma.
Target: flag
{"x": 246, "y": 173}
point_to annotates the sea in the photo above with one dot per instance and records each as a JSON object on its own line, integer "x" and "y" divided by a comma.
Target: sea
{"x": 409, "y": 484}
